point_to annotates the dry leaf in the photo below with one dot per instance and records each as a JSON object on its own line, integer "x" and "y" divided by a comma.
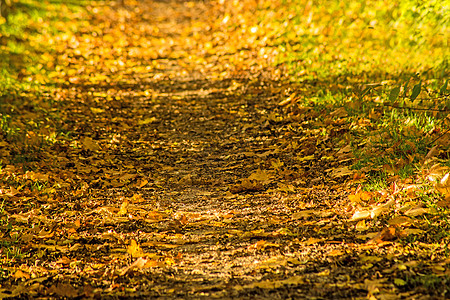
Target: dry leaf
{"x": 21, "y": 274}
{"x": 361, "y": 225}
{"x": 361, "y": 214}
{"x": 340, "y": 172}
{"x": 417, "y": 211}
{"x": 304, "y": 214}
{"x": 147, "y": 121}
{"x": 443, "y": 186}
{"x": 409, "y": 231}
{"x": 64, "y": 290}
{"x": 137, "y": 264}
{"x": 141, "y": 183}
{"x": 312, "y": 241}
{"x": 89, "y": 144}
{"x": 260, "y": 175}
{"x": 387, "y": 234}
{"x": 432, "y": 153}
{"x": 123, "y": 208}
{"x": 134, "y": 250}
{"x": 399, "y": 220}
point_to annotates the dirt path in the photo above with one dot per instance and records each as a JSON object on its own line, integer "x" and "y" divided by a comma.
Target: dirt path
{"x": 187, "y": 179}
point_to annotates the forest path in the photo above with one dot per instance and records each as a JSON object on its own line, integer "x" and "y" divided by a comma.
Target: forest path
{"x": 228, "y": 196}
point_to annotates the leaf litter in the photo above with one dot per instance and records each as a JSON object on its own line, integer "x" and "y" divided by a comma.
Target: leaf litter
{"x": 187, "y": 176}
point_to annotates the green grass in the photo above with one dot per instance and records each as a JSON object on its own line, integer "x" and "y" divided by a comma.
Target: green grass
{"x": 30, "y": 119}
{"x": 353, "y": 54}
{"x": 8, "y": 248}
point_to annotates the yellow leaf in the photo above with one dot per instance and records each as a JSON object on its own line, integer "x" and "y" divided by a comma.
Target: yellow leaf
{"x": 312, "y": 241}
{"x": 305, "y": 158}
{"x": 137, "y": 198}
{"x": 153, "y": 263}
{"x": 335, "y": 252}
{"x": 20, "y": 274}
{"x": 399, "y": 282}
{"x": 169, "y": 261}
{"x": 354, "y": 198}
{"x": 147, "y": 121}
{"x": 409, "y": 231}
{"x": 399, "y": 220}
{"x": 294, "y": 280}
{"x": 141, "y": 183}
{"x": 36, "y": 176}
{"x": 304, "y": 214}
{"x": 361, "y": 226}
{"x": 360, "y": 215}
{"x": 134, "y": 250}
{"x": 260, "y": 175}
{"x": 97, "y": 110}
{"x": 260, "y": 245}
{"x": 126, "y": 177}
{"x": 123, "y": 208}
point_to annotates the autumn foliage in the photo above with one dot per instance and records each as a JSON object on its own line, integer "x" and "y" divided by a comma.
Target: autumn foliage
{"x": 224, "y": 149}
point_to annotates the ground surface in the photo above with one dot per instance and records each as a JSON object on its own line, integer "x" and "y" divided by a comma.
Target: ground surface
{"x": 187, "y": 179}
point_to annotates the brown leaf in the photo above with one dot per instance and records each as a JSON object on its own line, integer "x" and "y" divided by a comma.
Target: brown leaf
{"x": 89, "y": 144}
{"x": 417, "y": 211}
{"x": 137, "y": 264}
{"x": 432, "y": 153}
{"x": 126, "y": 177}
{"x": 247, "y": 186}
{"x": 341, "y": 172}
{"x": 63, "y": 290}
{"x": 387, "y": 234}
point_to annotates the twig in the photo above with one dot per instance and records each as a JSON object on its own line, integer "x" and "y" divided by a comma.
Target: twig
{"x": 445, "y": 132}
{"x": 415, "y": 108}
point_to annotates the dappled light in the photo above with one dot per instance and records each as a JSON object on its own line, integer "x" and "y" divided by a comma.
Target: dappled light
{"x": 224, "y": 149}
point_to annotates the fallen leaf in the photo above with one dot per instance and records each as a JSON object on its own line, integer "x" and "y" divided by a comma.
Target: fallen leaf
{"x": 134, "y": 250}
{"x": 399, "y": 220}
{"x": 123, "y": 208}
{"x": 361, "y": 214}
{"x": 399, "y": 282}
{"x": 304, "y": 214}
{"x": 63, "y": 290}
{"x": 260, "y": 175}
{"x": 96, "y": 110}
{"x": 341, "y": 172}
{"x": 361, "y": 225}
{"x": 147, "y": 121}
{"x": 312, "y": 241}
{"x": 261, "y": 245}
{"x": 434, "y": 151}
{"x": 21, "y": 274}
{"x": 409, "y": 231}
{"x": 387, "y": 234}
{"x": 89, "y": 144}
{"x": 126, "y": 177}
{"x": 137, "y": 264}
{"x": 141, "y": 183}
{"x": 417, "y": 211}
